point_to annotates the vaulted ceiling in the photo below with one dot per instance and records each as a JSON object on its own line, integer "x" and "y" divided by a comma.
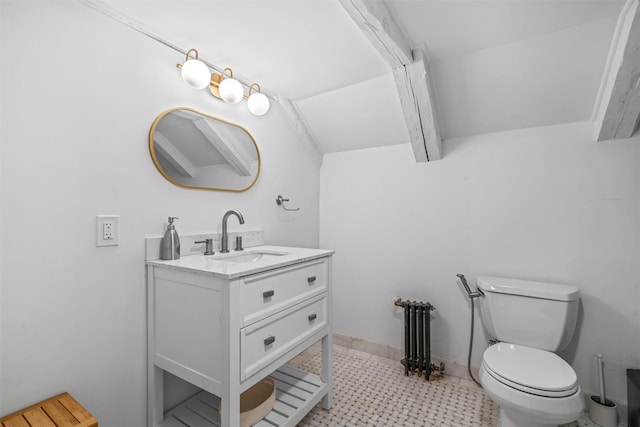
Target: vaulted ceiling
{"x": 493, "y": 65}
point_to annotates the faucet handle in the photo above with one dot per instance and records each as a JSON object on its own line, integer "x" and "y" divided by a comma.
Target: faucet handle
{"x": 208, "y": 248}
{"x": 239, "y": 243}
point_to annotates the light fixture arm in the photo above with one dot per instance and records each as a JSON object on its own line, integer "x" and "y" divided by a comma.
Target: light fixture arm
{"x": 189, "y": 52}
{"x": 230, "y": 72}
{"x": 250, "y": 88}
{"x": 187, "y": 56}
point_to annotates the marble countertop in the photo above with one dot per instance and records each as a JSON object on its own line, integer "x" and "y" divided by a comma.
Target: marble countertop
{"x": 216, "y": 265}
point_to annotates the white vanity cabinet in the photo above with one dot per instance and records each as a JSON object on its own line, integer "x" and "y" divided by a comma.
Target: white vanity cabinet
{"x": 223, "y": 327}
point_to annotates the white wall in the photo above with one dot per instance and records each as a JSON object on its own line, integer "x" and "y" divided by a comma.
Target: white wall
{"x": 79, "y": 94}
{"x": 545, "y": 204}
{"x": 476, "y": 90}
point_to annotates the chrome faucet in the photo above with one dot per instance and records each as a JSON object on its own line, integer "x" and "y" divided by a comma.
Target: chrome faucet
{"x": 225, "y": 237}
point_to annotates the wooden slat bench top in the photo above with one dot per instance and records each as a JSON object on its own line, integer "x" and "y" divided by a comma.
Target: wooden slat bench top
{"x": 59, "y": 411}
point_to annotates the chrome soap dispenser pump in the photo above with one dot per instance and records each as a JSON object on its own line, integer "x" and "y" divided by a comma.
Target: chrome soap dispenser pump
{"x": 170, "y": 245}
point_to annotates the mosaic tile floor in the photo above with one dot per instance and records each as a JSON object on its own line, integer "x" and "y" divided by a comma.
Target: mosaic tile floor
{"x": 373, "y": 391}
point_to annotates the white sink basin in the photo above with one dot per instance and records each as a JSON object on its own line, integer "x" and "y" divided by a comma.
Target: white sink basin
{"x": 251, "y": 256}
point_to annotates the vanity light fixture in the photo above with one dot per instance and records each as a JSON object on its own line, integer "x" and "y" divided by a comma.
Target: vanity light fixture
{"x": 196, "y": 74}
{"x": 258, "y": 103}
{"x": 230, "y": 89}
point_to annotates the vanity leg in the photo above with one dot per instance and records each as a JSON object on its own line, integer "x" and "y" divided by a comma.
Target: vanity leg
{"x": 230, "y": 410}
{"x": 326, "y": 375}
{"x": 155, "y": 396}
{"x": 230, "y": 405}
{"x": 155, "y": 375}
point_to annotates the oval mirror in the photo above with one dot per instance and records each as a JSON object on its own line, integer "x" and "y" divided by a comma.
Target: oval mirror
{"x": 195, "y": 150}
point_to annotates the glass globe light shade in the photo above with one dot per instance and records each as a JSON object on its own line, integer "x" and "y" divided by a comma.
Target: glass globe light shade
{"x": 258, "y": 104}
{"x": 231, "y": 91}
{"x": 196, "y": 74}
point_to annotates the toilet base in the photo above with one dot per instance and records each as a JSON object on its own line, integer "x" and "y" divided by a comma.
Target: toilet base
{"x": 507, "y": 419}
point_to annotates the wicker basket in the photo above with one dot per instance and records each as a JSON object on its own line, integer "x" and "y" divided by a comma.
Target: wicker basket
{"x": 256, "y": 402}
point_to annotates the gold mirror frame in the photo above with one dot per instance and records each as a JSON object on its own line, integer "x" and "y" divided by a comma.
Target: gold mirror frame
{"x": 244, "y": 183}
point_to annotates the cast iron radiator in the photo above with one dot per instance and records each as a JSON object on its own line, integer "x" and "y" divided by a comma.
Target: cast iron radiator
{"x": 417, "y": 337}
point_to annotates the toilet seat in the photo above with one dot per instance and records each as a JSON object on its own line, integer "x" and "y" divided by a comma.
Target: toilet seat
{"x": 530, "y": 370}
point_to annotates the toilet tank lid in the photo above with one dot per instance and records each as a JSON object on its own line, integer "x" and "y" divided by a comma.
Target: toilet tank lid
{"x": 529, "y": 288}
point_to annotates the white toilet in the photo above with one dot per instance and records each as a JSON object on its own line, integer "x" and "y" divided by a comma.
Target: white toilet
{"x": 532, "y": 320}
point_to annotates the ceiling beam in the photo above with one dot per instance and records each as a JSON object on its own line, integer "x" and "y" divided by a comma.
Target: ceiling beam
{"x": 229, "y": 147}
{"x": 617, "y": 111}
{"x": 410, "y": 71}
{"x": 420, "y": 113}
{"x": 379, "y": 27}
{"x": 174, "y": 156}
{"x": 221, "y": 141}
{"x": 296, "y": 120}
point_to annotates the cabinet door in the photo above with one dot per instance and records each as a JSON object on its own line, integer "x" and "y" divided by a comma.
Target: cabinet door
{"x": 265, "y": 294}
{"x": 264, "y": 341}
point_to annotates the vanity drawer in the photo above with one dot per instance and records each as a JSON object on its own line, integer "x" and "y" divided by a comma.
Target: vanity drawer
{"x": 264, "y": 341}
{"x": 267, "y": 293}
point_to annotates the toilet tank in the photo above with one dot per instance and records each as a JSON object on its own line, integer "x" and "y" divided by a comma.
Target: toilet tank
{"x": 535, "y": 314}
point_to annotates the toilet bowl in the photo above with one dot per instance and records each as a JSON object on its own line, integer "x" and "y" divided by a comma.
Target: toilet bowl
{"x": 533, "y": 387}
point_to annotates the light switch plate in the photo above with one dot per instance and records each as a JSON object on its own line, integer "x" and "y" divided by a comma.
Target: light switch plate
{"x": 107, "y": 230}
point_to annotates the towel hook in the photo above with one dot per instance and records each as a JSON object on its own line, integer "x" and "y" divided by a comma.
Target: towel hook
{"x": 280, "y": 202}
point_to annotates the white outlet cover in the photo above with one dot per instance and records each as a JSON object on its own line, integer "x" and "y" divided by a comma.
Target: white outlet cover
{"x": 102, "y": 239}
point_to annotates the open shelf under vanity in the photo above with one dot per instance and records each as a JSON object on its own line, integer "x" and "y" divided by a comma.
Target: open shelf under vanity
{"x": 297, "y": 392}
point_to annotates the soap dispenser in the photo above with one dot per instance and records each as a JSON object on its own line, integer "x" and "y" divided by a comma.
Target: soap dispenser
{"x": 170, "y": 245}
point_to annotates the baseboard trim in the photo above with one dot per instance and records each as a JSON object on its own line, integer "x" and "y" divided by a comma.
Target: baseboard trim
{"x": 451, "y": 367}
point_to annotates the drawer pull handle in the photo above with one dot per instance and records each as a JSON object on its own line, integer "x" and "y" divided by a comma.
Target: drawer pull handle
{"x": 267, "y": 294}
{"x": 311, "y": 279}
{"x": 269, "y": 340}
{"x": 312, "y": 317}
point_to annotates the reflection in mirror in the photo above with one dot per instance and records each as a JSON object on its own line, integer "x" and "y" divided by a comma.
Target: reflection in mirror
{"x": 196, "y": 150}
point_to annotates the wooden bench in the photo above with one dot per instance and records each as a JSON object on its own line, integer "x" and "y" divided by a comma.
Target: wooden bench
{"x": 59, "y": 411}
